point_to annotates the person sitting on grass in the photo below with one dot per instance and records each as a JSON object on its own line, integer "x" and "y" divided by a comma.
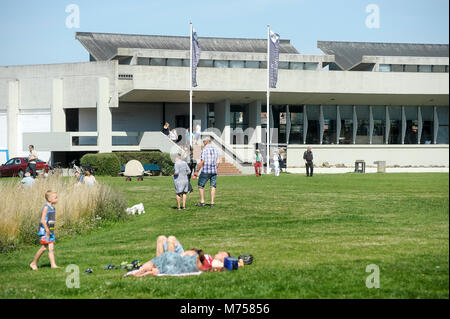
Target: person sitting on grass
{"x": 89, "y": 179}
{"x": 46, "y": 230}
{"x": 28, "y": 181}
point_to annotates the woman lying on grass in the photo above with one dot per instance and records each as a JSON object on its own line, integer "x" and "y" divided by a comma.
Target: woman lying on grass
{"x": 171, "y": 263}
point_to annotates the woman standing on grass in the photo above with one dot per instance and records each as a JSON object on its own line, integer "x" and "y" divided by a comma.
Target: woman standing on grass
{"x": 181, "y": 180}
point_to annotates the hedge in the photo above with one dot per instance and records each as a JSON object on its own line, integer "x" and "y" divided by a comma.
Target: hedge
{"x": 103, "y": 163}
{"x": 110, "y": 163}
{"x": 162, "y": 159}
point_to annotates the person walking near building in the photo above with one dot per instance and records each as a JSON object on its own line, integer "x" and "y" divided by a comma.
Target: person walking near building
{"x": 32, "y": 157}
{"x": 258, "y": 163}
{"x": 280, "y": 161}
{"x": 208, "y": 165}
{"x": 308, "y": 157}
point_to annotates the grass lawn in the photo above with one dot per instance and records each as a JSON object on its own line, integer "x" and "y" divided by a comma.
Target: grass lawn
{"x": 310, "y": 238}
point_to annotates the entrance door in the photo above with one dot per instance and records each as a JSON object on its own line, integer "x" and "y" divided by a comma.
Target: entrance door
{"x": 183, "y": 121}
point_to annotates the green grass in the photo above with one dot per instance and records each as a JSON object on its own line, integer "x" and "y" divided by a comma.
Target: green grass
{"x": 310, "y": 237}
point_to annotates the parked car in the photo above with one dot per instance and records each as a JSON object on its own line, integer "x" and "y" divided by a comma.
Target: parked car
{"x": 17, "y": 166}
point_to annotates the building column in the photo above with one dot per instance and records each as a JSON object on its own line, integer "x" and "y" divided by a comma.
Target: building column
{"x": 104, "y": 117}
{"x": 58, "y": 121}
{"x": 13, "y": 114}
{"x": 254, "y": 121}
{"x": 222, "y": 114}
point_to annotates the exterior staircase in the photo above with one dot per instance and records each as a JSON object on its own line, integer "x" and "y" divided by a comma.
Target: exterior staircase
{"x": 225, "y": 168}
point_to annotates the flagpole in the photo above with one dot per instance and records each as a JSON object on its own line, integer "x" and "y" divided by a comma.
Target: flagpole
{"x": 268, "y": 100}
{"x": 190, "y": 88}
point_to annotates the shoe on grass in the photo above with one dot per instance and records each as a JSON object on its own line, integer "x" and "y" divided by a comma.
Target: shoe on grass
{"x": 200, "y": 205}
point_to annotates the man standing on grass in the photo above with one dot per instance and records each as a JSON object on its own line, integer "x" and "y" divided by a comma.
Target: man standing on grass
{"x": 208, "y": 165}
{"x": 308, "y": 157}
{"x": 32, "y": 157}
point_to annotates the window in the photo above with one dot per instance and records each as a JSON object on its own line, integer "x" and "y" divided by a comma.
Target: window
{"x": 410, "y": 68}
{"x": 187, "y": 62}
{"x": 237, "y": 64}
{"x": 205, "y": 63}
{"x": 296, "y": 65}
{"x": 10, "y": 162}
{"x": 283, "y": 65}
{"x": 313, "y": 131}
{"x": 427, "y": 124}
{"x": 310, "y": 66}
{"x": 329, "y": 124}
{"x": 384, "y": 68}
{"x": 442, "y": 134}
{"x": 379, "y": 124}
{"x": 220, "y": 63}
{"x": 362, "y": 125}
{"x": 158, "y": 61}
{"x": 412, "y": 125}
{"x": 395, "y": 128}
{"x": 438, "y": 68}
{"x": 346, "y": 134}
{"x": 425, "y": 68}
{"x": 174, "y": 62}
{"x": 252, "y": 64}
{"x": 296, "y": 133}
{"x": 143, "y": 61}
{"x": 279, "y": 122}
{"x": 211, "y": 115}
{"x": 397, "y": 67}
{"x": 238, "y": 123}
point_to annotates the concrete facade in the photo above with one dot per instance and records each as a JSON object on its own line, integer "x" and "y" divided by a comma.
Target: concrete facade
{"x": 123, "y": 102}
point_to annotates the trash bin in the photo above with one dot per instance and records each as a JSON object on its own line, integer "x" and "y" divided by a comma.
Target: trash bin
{"x": 381, "y": 166}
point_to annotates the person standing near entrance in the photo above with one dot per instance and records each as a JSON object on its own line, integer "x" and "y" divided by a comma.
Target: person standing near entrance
{"x": 208, "y": 165}
{"x": 32, "y": 157}
{"x": 308, "y": 157}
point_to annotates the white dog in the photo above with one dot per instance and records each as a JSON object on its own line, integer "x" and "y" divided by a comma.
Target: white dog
{"x": 136, "y": 209}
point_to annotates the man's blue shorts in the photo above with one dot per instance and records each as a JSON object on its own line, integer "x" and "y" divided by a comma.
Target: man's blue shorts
{"x": 203, "y": 178}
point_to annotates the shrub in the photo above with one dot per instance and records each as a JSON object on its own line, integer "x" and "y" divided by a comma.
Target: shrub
{"x": 104, "y": 163}
{"x": 80, "y": 208}
{"x": 162, "y": 159}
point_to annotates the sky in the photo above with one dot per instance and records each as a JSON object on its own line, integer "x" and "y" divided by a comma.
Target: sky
{"x": 42, "y": 32}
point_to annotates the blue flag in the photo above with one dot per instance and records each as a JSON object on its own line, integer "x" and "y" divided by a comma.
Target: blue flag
{"x": 274, "y": 48}
{"x": 195, "y": 57}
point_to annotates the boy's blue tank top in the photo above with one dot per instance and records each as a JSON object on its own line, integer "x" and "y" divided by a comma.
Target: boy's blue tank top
{"x": 49, "y": 219}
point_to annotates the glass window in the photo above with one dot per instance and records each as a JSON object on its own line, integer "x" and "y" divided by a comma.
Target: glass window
{"x": 252, "y": 64}
{"x": 296, "y": 65}
{"x": 279, "y": 122}
{"x": 158, "y": 61}
{"x": 425, "y": 68}
{"x": 442, "y": 114}
{"x": 221, "y": 63}
{"x": 205, "y": 63}
{"x": 395, "y": 130}
{"x": 412, "y": 125}
{"x": 211, "y": 115}
{"x": 362, "y": 125}
{"x": 384, "y": 68}
{"x": 310, "y": 66}
{"x": 10, "y": 162}
{"x": 237, "y": 64}
{"x": 174, "y": 62}
{"x": 329, "y": 124}
{"x": 296, "y": 134}
{"x": 379, "y": 124}
{"x": 283, "y": 65}
{"x": 410, "y": 68}
{"x": 438, "y": 68}
{"x": 143, "y": 61}
{"x": 187, "y": 62}
{"x": 238, "y": 122}
{"x": 427, "y": 124}
{"x": 397, "y": 67}
{"x": 313, "y": 131}
{"x": 346, "y": 134}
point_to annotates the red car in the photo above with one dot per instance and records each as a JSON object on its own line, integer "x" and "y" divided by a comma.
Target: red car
{"x": 17, "y": 166}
